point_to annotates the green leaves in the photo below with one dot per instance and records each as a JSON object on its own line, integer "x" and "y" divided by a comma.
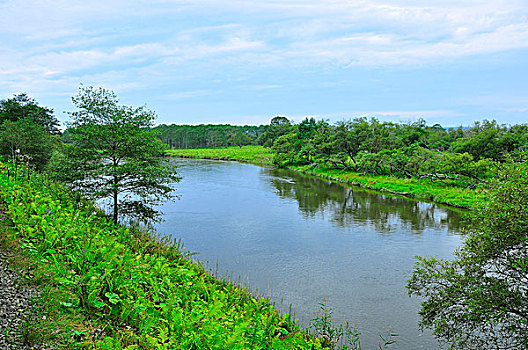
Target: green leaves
{"x": 142, "y": 291}
{"x": 480, "y": 299}
{"x": 115, "y": 156}
{"x": 113, "y": 298}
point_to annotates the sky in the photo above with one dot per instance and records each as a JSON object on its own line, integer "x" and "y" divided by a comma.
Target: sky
{"x": 244, "y": 62}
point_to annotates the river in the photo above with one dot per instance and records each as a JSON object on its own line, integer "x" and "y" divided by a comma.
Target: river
{"x": 302, "y": 241}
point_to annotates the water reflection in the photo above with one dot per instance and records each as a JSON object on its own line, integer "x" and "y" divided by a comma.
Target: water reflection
{"x": 347, "y": 207}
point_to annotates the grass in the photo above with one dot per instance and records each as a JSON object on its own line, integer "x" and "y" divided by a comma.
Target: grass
{"x": 421, "y": 189}
{"x": 250, "y": 154}
{"x": 110, "y": 287}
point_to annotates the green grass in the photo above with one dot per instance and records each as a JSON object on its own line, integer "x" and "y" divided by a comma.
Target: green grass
{"x": 421, "y": 189}
{"x": 250, "y": 154}
{"x": 112, "y": 287}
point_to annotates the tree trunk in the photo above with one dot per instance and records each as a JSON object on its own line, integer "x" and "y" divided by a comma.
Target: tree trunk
{"x": 115, "y": 216}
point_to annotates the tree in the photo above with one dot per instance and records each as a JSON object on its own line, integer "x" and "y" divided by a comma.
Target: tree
{"x": 240, "y": 139}
{"x": 278, "y": 127}
{"x": 480, "y": 299}
{"x": 24, "y": 140}
{"x": 115, "y": 155}
{"x": 21, "y": 106}
{"x": 284, "y": 150}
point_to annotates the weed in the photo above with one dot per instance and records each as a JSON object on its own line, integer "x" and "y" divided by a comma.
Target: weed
{"x": 342, "y": 337}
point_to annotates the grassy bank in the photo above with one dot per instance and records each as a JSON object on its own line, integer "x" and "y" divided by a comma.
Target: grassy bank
{"x": 250, "y": 154}
{"x": 109, "y": 287}
{"x": 421, "y": 189}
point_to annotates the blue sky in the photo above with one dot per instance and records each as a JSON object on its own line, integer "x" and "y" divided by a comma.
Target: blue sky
{"x": 242, "y": 62}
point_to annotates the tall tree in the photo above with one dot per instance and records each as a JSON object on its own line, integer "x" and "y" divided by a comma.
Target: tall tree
{"x": 480, "y": 299}
{"x": 278, "y": 127}
{"x": 27, "y": 142}
{"x": 115, "y": 155}
{"x": 21, "y": 106}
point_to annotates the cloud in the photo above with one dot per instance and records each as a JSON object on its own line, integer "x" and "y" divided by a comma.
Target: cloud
{"x": 517, "y": 109}
{"x": 53, "y": 45}
{"x": 187, "y": 94}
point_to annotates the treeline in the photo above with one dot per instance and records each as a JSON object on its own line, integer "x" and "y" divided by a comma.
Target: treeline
{"x": 210, "y": 135}
{"x": 466, "y": 156}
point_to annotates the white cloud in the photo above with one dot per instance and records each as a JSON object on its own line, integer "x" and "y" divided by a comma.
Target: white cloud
{"x": 53, "y": 45}
{"x": 187, "y": 94}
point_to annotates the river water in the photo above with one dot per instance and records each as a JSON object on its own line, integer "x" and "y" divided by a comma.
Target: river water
{"x": 302, "y": 241}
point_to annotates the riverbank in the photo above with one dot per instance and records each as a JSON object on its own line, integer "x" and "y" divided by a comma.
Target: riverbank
{"x": 248, "y": 154}
{"x": 110, "y": 287}
{"x": 420, "y": 189}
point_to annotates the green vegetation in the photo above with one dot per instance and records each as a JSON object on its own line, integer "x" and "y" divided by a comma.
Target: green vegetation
{"x": 414, "y": 160}
{"x": 423, "y": 189}
{"x": 106, "y": 286}
{"x": 115, "y": 155}
{"x": 209, "y": 136}
{"x": 113, "y": 287}
{"x": 479, "y": 300}
{"x": 21, "y": 107}
{"x": 454, "y": 157}
{"x": 249, "y": 154}
{"x": 28, "y": 132}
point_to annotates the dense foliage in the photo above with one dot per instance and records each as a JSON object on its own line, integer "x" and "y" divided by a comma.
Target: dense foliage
{"x": 115, "y": 155}
{"x": 465, "y": 157}
{"x": 21, "y": 107}
{"x": 139, "y": 292}
{"x": 28, "y": 132}
{"x": 209, "y": 136}
{"x": 480, "y": 300}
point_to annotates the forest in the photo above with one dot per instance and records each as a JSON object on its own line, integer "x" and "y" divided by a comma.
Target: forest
{"x": 210, "y": 135}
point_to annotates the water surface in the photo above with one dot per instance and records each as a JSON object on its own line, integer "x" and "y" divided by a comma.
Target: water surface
{"x": 301, "y": 240}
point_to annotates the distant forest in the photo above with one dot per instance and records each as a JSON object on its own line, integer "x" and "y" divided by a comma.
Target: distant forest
{"x": 210, "y": 135}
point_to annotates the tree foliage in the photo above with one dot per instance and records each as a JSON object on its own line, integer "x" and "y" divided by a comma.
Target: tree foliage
{"x": 26, "y": 142}
{"x": 21, "y": 106}
{"x": 480, "y": 299}
{"x": 27, "y": 131}
{"x": 462, "y": 157}
{"x": 209, "y": 135}
{"x": 116, "y": 156}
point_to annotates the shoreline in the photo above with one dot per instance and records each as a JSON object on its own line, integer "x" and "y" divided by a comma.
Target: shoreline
{"x": 422, "y": 190}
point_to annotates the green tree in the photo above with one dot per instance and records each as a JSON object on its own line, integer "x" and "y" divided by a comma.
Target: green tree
{"x": 21, "y": 106}
{"x": 480, "y": 299}
{"x": 284, "y": 150}
{"x": 240, "y": 139}
{"x": 25, "y": 141}
{"x": 278, "y": 127}
{"x": 115, "y": 155}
